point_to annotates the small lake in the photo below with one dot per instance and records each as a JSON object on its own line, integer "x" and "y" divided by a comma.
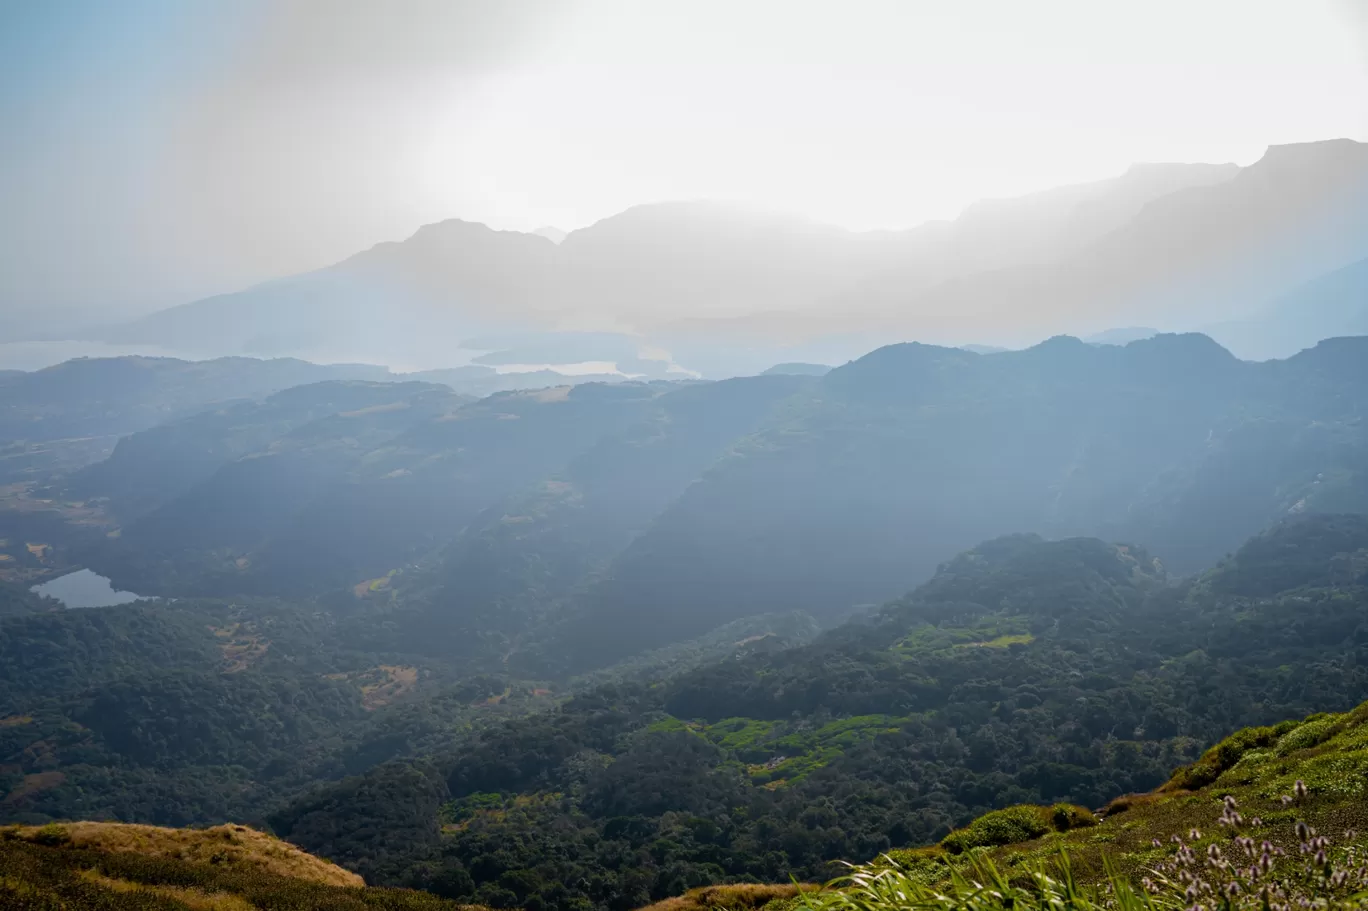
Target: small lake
{"x": 84, "y": 588}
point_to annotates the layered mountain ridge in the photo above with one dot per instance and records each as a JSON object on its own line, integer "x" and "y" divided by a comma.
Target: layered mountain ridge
{"x": 711, "y": 283}
{"x": 560, "y": 530}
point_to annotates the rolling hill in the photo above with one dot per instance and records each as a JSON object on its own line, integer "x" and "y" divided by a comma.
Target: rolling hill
{"x": 567, "y": 529}
{"x": 229, "y": 867}
{"x": 65, "y": 417}
{"x": 149, "y": 468}
{"x": 894, "y": 462}
{"x": 356, "y": 495}
{"x": 1025, "y": 671}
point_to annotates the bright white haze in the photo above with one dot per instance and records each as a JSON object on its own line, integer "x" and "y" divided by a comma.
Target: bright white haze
{"x": 155, "y": 152}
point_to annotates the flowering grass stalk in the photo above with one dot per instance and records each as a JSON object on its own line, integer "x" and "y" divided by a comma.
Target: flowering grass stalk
{"x": 1250, "y": 873}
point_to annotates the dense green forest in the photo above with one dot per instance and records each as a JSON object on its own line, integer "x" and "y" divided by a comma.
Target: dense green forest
{"x": 153, "y": 467}
{"x": 1270, "y": 817}
{"x": 1024, "y": 671}
{"x": 201, "y": 711}
{"x": 15, "y": 600}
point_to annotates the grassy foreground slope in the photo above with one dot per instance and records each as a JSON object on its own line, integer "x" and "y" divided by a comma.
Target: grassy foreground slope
{"x": 1272, "y": 814}
{"x": 226, "y": 868}
{"x": 1257, "y": 767}
{"x": 1270, "y": 817}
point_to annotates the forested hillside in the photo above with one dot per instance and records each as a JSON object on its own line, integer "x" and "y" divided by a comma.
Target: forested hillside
{"x": 15, "y": 599}
{"x": 1270, "y": 817}
{"x": 524, "y": 561}
{"x": 232, "y": 531}
{"x": 896, "y": 461}
{"x": 563, "y": 530}
{"x": 69, "y": 415}
{"x": 1024, "y": 671}
{"x": 196, "y": 712}
{"x": 155, "y": 466}
{"x": 102, "y": 396}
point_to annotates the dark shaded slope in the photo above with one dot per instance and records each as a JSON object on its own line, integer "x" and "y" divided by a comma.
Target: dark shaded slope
{"x": 353, "y": 496}
{"x": 510, "y": 571}
{"x": 205, "y": 539}
{"x": 901, "y": 458}
{"x": 195, "y": 712}
{"x": 156, "y": 465}
{"x": 105, "y": 396}
{"x": 1296, "y": 442}
{"x": 418, "y": 491}
{"x": 63, "y": 418}
{"x": 897, "y": 461}
{"x": 16, "y": 600}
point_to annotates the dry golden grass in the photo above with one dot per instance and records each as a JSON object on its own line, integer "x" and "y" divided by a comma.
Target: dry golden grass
{"x": 241, "y": 646}
{"x": 395, "y": 682}
{"x": 498, "y": 697}
{"x": 380, "y": 685}
{"x": 230, "y": 846}
{"x": 32, "y": 784}
{"x": 194, "y": 899}
{"x": 739, "y": 897}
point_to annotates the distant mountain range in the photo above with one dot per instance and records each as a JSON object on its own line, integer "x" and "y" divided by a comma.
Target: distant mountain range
{"x": 69, "y": 415}
{"x": 724, "y": 290}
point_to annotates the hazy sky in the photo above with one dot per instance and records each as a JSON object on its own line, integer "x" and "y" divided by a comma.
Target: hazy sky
{"x": 154, "y": 151}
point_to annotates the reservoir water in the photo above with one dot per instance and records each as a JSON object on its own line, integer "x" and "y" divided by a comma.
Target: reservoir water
{"x": 84, "y": 588}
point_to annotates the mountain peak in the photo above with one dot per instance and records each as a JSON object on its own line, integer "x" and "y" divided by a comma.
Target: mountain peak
{"x": 455, "y": 227}
{"x": 720, "y": 220}
{"x": 1181, "y": 357}
{"x": 903, "y": 373}
{"x": 1311, "y": 154}
{"x": 1146, "y": 168}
